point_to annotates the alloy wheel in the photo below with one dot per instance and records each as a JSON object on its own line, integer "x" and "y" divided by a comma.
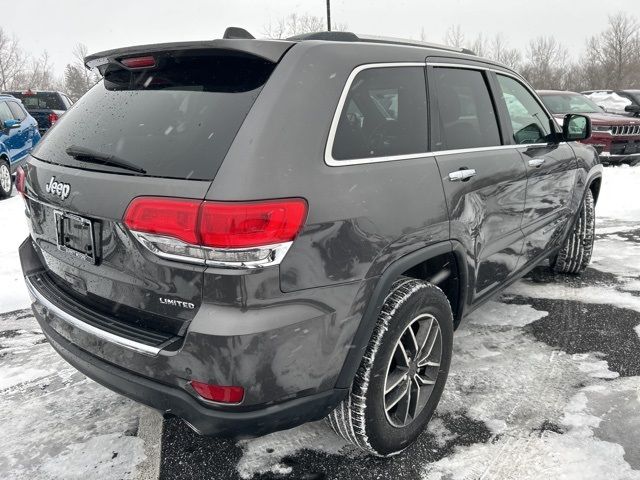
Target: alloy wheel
{"x": 413, "y": 370}
{"x": 5, "y": 177}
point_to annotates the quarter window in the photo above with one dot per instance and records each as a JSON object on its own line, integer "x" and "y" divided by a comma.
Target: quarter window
{"x": 465, "y": 111}
{"x": 529, "y": 121}
{"x": 384, "y": 114}
{"x": 17, "y": 111}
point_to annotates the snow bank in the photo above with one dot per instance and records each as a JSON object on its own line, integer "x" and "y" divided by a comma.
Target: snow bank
{"x": 13, "y": 294}
{"x": 619, "y": 195}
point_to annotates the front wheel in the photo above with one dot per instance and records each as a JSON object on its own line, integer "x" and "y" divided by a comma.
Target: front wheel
{"x": 403, "y": 372}
{"x": 575, "y": 254}
{"x": 6, "y": 183}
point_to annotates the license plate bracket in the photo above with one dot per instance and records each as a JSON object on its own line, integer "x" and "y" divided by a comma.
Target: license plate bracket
{"x": 76, "y": 236}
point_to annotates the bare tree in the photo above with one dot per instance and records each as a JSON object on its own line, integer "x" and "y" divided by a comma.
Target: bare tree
{"x": 546, "y": 63}
{"x": 12, "y": 60}
{"x": 501, "y": 52}
{"x": 454, "y": 36}
{"x": 77, "y": 78}
{"x": 38, "y": 74}
{"x": 295, "y": 24}
{"x": 613, "y": 57}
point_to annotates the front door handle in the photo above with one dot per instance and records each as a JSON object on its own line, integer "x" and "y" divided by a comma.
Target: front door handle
{"x": 536, "y": 162}
{"x": 462, "y": 175}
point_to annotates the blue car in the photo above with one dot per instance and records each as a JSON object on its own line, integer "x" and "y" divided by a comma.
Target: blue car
{"x": 18, "y": 135}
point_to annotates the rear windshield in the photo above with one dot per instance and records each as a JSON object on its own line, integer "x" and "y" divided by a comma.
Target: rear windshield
{"x": 177, "y": 120}
{"x": 41, "y": 100}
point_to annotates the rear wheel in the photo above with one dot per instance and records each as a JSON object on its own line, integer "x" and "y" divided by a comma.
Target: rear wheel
{"x": 575, "y": 254}
{"x": 6, "y": 183}
{"x": 403, "y": 372}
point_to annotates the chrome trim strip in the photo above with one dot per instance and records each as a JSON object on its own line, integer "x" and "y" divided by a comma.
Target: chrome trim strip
{"x": 275, "y": 256}
{"x": 85, "y": 327}
{"x": 332, "y": 162}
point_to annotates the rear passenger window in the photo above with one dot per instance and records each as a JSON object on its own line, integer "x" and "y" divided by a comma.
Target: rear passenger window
{"x": 384, "y": 115}
{"x": 466, "y": 114}
{"x": 529, "y": 121}
{"x": 17, "y": 111}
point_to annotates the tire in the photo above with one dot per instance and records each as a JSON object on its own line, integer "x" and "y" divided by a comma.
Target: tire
{"x": 575, "y": 254}
{"x": 6, "y": 182}
{"x": 368, "y": 418}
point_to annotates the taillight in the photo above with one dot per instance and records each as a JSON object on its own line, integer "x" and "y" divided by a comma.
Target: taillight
{"x": 139, "y": 62}
{"x": 175, "y": 218}
{"x": 218, "y": 393}
{"x": 242, "y": 225}
{"x": 243, "y": 234}
{"x": 53, "y": 118}
{"x": 20, "y": 180}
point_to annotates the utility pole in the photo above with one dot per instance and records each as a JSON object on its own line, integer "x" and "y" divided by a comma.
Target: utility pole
{"x": 329, "y": 15}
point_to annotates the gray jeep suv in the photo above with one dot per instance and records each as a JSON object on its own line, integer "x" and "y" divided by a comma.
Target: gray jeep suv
{"x": 254, "y": 234}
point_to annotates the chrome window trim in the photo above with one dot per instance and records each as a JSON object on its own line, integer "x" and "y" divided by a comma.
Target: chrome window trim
{"x": 85, "y": 327}
{"x": 332, "y": 162}
{"x": 328, "y": 151}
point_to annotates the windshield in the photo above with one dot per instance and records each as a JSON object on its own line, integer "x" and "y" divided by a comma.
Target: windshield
{"x": 175, "y": 121}
{"x": 569, "y": 103}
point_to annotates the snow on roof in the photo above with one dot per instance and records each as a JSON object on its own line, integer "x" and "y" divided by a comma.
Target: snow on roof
{"x": 610, "y": 101}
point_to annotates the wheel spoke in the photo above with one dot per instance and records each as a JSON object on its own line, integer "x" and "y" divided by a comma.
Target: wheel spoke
{"x": 399, "y": 394}
{"x": 415, "y": 399}
{"x": 423, "y": 342}
{"x": 422, "y": 379}
{"x": 395, "y": 378}
{"x": 403, "y": 408}
{"x": 401, "y": 355}
{"x": 429, "y": 348}
{"x": 414, "y": 340}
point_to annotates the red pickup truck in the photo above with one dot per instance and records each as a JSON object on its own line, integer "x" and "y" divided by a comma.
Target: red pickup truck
{"x": 615, "y": 137}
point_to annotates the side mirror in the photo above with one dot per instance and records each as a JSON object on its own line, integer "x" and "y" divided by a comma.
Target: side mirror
{"x": 9, "y": 124}
{"x": 632, "y": 109}
{"x": 576, "y": 127}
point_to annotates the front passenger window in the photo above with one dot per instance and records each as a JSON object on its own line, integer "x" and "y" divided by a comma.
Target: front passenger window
{"x": 529, "y": 121}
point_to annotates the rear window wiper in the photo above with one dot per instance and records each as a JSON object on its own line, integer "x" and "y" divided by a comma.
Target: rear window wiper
{"x": 87, "y": 155}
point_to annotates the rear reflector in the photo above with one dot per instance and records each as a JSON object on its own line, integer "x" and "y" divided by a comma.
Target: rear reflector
{"x": 139, "y": 62}
{"x": 218, "y": 393}
{"x": 20, "y": 180}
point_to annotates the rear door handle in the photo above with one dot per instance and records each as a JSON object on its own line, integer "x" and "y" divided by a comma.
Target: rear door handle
{"x": 462, "y": 175}
{"x": 536, "y": 162}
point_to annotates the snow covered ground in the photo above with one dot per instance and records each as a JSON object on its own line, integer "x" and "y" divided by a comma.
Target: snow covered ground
{"x": 545, "y": 383}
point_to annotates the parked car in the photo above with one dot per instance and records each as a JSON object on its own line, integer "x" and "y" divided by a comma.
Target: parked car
{"x": 299, "y": 233}
{"x": 617, "y": 138}
{"x": 18, "y": 135}
{"x": 45, "y": 106}
{"x": 621, "y": 102}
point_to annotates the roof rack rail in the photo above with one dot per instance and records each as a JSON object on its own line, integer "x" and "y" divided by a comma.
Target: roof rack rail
{"x": 414, "y": 43}
{"x": 329, "y": 36}
{"x": 352, "y": 37}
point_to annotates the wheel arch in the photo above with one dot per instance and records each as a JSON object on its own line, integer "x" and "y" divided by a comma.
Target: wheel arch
{"x": 416, "y": 265}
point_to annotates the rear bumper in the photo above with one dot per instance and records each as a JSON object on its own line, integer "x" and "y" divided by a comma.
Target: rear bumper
{"x": 175, "y": 401}
{"x": 160, "y": 379}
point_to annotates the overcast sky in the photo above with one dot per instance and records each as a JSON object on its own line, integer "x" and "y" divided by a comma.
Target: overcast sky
{"x": 56, "y": 26}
